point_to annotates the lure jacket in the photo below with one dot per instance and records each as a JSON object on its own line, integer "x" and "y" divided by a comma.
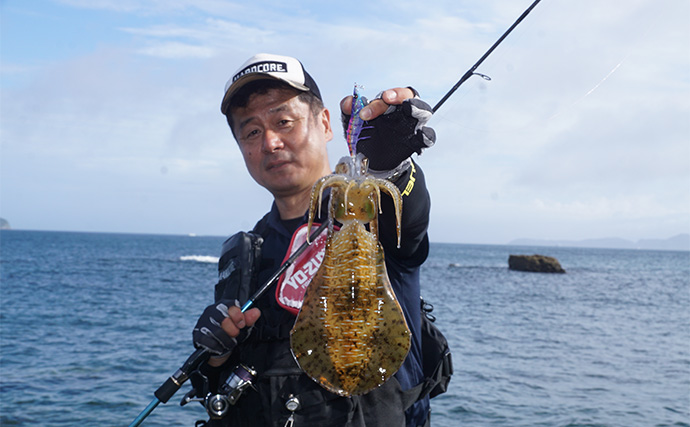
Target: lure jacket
{"x": 401, "y": 401}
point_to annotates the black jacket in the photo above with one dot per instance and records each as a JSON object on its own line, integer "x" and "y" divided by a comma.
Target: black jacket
{"x": 267, "y": 349}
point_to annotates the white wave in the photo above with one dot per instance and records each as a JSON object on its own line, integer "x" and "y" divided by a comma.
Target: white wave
{"x": 200, "y": 258}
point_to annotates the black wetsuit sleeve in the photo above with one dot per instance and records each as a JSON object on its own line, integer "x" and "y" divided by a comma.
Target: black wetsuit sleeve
{"x": 416, "y": 206}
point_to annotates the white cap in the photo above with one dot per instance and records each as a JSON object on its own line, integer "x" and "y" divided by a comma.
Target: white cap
{"x": 268, "y": 66}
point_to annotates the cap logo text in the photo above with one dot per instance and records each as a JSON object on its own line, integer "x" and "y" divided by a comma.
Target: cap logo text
{"x": 263, "y": 67}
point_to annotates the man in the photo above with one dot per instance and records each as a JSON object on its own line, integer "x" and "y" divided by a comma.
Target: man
{"x": 276, "y": 114}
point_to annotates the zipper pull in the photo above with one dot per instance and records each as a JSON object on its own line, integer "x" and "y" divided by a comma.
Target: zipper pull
{"x": 292, "y": 404}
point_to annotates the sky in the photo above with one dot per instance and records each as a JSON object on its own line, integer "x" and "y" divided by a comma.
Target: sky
{"x": 110, "y": 120}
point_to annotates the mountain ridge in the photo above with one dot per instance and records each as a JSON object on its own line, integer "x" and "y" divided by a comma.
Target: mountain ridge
{"x": 679, "y": 242}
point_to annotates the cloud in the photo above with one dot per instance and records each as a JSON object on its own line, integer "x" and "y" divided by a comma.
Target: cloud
{"x": 582, "y": 129}
{"x": 175, "y": 50}
{"x": 155, "y": 7}
{"x": 208, "y": 39}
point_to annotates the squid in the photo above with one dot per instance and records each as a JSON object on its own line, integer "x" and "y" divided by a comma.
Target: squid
{"x": 350, "y": 334}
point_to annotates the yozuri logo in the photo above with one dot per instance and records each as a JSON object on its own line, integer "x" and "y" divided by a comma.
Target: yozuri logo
{"x": 294, "y": 282}
{"x": 302, "y": 276}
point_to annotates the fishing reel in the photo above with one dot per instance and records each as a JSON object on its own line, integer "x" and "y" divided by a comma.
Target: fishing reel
{"x": 217, "y": 405}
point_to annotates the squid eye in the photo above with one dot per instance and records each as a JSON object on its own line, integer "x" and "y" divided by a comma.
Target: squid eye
{"x": 339, "y": 205}
{"x": 340, "y": 210}
{"x": 370, "y": 209}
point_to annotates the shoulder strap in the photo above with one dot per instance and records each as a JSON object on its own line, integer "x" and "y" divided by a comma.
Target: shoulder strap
{"x": 261, "y": 226}
{"x": 238, "y": 266}
{"x": 436, "y": 361}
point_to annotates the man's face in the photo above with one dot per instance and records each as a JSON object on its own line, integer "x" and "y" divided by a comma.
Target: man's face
{"x": 282, "y": 142}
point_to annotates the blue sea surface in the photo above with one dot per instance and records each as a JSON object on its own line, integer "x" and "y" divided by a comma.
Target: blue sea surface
{"x": 91, "y": 324}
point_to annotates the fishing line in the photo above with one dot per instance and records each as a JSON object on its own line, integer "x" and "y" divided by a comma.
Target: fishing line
{"x": 561, "y": 111}
{"x": 589, "y": 92}
{"x": 643, "y": 36}
{"x": 471, "y": 71}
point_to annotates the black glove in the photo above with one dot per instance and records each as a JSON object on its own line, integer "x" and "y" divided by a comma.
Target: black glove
{"x": 208, "y": 333}
{"x": 391, "y": 138}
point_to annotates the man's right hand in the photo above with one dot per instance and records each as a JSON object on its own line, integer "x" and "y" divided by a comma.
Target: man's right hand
{"x": 220, "y": 325}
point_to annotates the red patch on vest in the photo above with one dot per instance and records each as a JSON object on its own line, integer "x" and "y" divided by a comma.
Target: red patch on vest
{"x": 294, "y": 282}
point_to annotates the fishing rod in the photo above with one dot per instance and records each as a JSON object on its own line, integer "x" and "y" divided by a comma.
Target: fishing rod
{"x": 172, "y": 384}
{"x": 471, "y": 71}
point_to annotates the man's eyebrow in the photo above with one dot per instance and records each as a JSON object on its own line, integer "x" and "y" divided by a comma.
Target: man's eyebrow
{"x": 279, "y": 109}
{"x": 245, "y": 122}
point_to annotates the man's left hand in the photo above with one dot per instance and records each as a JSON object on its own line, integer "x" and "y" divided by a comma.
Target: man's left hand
{"x": 394, "y": 129}
{"x": 379, "y": 106}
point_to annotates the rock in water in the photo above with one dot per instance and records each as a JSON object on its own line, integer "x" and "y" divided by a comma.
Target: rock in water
{"x": 535, "y": 263}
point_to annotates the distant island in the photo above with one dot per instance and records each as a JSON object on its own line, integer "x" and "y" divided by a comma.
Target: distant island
{"x": 4, "y": 225}
{"x": 680, "y": 242}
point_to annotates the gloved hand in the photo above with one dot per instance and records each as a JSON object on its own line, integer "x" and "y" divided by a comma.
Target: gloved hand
{"x": 391, "y": 138}
{"x": 210, "y": 334}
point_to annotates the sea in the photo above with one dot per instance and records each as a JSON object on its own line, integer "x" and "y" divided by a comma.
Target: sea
{"x": 91, "y": 324}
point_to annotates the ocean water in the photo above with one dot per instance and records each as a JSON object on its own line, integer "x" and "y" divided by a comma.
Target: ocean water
{"x": 91, "y": 324}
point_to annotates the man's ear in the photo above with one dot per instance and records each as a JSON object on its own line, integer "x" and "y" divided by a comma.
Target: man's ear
{"x": 325, "y": 121}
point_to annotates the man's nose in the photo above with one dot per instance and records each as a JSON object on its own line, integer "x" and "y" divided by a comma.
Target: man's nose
{"x": 272, "y": 141}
